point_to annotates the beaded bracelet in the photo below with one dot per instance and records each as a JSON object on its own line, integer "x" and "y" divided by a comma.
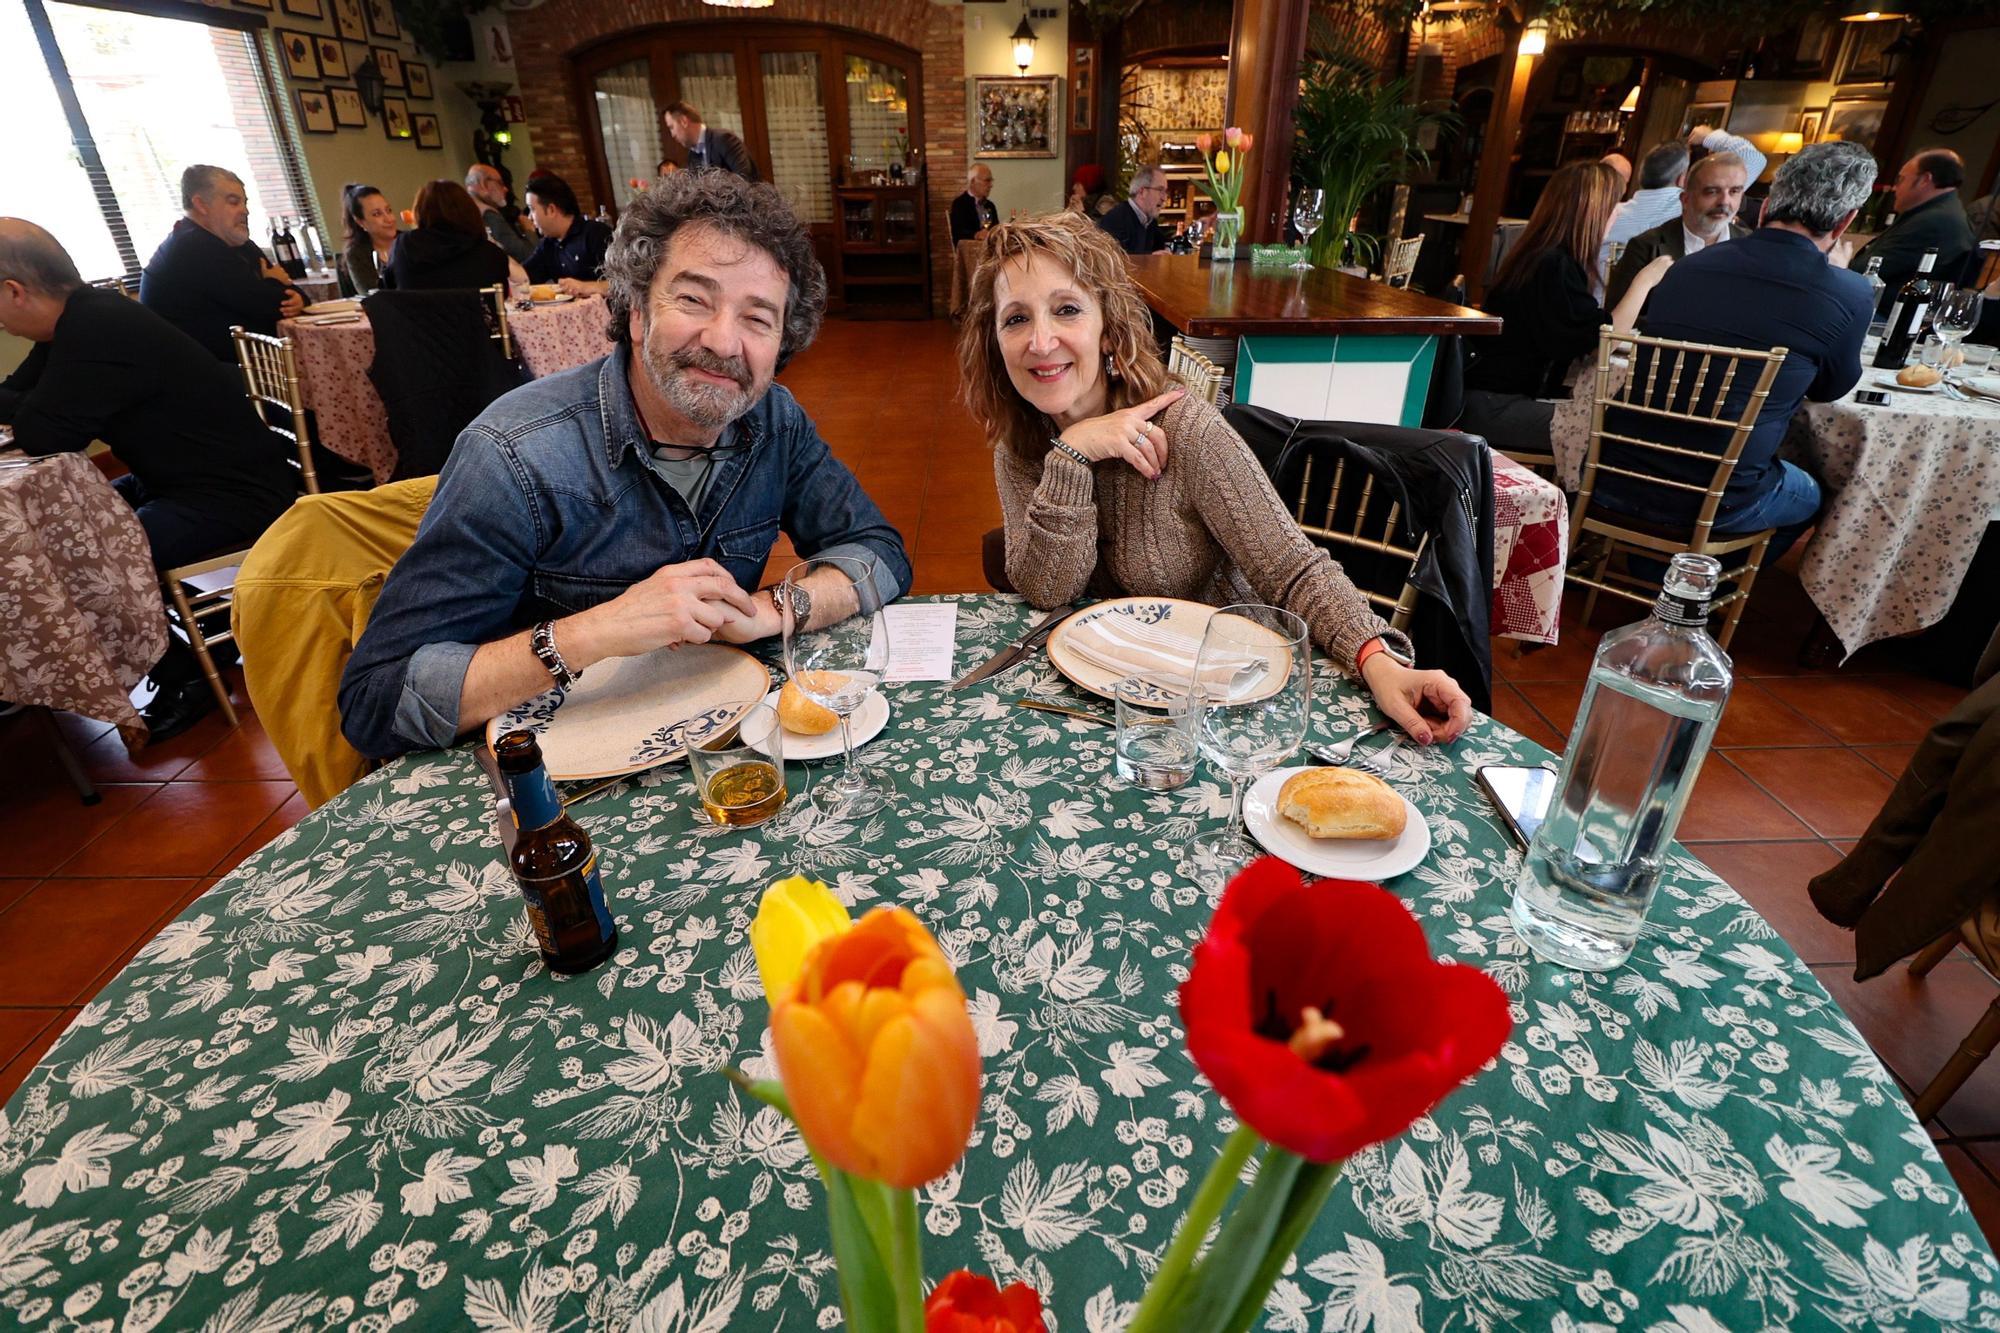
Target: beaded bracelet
{"x": 1064, "y": 447}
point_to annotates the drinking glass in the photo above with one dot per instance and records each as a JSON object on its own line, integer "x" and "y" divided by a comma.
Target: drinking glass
{"x": 1306, "y": 212}
{"x": 1155, "y": 748}
{"x": 1957, "y": 316}
{"x": 1250, "y": 722}
{"x": 739, "y": 783}
{"x": 835, "y": 660}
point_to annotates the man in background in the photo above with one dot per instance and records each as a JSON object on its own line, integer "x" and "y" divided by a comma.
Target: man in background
{"x": 489, "y": 190}
{"x": 707, "y": 146}
{"x": 1709, "y": 204}
{"x": 1663, "y": 174}
{"x": 208, "y": 274}
{"x": 1929, "y": 216}
{"x": 974, "y": 211}
{"x": 1133, "y": 224}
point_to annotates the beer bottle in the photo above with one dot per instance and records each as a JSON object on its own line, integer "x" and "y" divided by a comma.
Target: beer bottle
{"x": 553, "y": 862}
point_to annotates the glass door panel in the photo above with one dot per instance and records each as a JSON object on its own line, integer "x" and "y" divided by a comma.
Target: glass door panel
{"x": 630, "y": 130}
{"x": 878, "y": 118}
{"x": 899, "y": 222}
{"x": 795, "y": 126}
{"x": 707, "y": 82}
{"x": 858, "y": 221}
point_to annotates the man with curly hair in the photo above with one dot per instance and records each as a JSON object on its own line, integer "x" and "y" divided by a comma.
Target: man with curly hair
{"x": 629, "y": 504}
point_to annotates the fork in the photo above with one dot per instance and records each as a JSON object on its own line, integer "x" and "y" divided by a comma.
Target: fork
{"x": 1338, "y": 755}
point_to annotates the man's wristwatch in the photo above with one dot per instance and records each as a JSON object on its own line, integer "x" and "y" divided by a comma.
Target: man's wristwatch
{"x": 543, "y": 640}
{"x": 801, "y": 603}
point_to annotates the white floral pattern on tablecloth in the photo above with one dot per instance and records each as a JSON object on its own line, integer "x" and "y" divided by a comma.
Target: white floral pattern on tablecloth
{"x": 78, "y": 594}
{"x": 1530, "y": 543}
{"x": 341, "y": 1092}
{"x": 333, "y": 371}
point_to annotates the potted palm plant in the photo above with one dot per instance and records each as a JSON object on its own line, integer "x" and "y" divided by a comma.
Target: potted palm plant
{"x": 1354, "y": 136}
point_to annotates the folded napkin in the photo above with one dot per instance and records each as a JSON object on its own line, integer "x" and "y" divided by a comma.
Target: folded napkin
{"x": 1161, "y": 656}
{"x": 345, "y": 305}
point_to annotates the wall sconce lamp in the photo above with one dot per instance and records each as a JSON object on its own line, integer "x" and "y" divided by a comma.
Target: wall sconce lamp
{"x": 1535, "y": 37}
{"x": 1024, "y": 45}
{"x": 369, "y": 83}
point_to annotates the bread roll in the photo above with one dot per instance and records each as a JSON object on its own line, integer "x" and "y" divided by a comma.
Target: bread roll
{"x": 1342, "y": 803}
{"x": 800, "y": 715}
{"x": 1918, "y": 377}
{"x": 544, "y": 291}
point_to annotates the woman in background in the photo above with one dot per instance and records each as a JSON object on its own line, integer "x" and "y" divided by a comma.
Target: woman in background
{"x": 369, "y": 226}
{"x": 449, "y": 248}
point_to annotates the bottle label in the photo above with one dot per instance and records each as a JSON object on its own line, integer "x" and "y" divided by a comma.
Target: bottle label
{"x": 593, "y": 888}
{"x": 538, "y": 918}
{"x": 1688, "y": 613}
{"x": 1916, "y": 320}
{"x": 536, "y": 802}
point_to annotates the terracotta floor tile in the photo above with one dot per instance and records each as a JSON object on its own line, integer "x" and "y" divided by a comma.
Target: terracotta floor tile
{"x": 19, "y": 1027}
{"x": 1510, "y": 709}
{"x": 1915, "y": 1023}
{"x": 1935, "y": 697}
{"x": 185, "y": 829}
{"x": 1857, "y": 710}
{"x": 1728, "y": 807}
{"x": 950, "y": 573}
{"x": 1568, "y": 659}
{"x": 1754, "y": 716}
{"x": 1772, "y": 877}
{"x": 42, "y": 832}
{"x": 243, "y": 755}
{"x": 1834, "y": 790}
{"x": 1981, "y": 1191}
{"x": 11, "y": 891}
{"x": 16, "y": 1071}
{"x": 108, "y": 761}
{"x": 74, "y": 929}
{"x": 1555, "y": 700}
{"x": 1891, "y": 759}
{"x": 954, "y": 505}
{"x": 286, "y": 815}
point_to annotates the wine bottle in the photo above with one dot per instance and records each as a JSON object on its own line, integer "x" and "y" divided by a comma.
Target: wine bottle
{"x": 1906, "y": 316}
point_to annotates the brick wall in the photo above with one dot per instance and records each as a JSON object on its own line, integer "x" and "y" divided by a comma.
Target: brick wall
{"x": 545, "y": 37}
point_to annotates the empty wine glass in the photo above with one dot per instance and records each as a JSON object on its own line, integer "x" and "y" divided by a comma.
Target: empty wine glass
{"x": 1307, "y": 210}
{"x": 835, "y": 657}
{"x": 1254, "y": 675}
{"x": 1957, "y": 316}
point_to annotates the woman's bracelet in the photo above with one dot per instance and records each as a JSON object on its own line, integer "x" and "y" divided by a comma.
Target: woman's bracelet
{"x": 1064, "y": 447}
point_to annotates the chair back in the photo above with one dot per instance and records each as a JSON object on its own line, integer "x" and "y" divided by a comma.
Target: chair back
{"x": 1672, "y": 384}
{"x": 1202, "y": 376}
{"x": 503, "y": 332}
{"x": 1617, "y": 253}
{"x": 1402, "y": 261}
{"x": 271, "y": 378}
{"x": 1340, "y": 505}
{"x": 124, "y": 285}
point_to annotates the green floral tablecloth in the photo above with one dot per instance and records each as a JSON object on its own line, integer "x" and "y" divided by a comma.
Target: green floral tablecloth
{"x": 341, "y": 1092}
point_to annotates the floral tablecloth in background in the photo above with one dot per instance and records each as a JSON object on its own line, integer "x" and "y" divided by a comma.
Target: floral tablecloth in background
{"x": 340, "y": 1091}
{"x": 1530, "y": 546}
{"x": 78, "y": 593}
{"x": 334, "y": 359}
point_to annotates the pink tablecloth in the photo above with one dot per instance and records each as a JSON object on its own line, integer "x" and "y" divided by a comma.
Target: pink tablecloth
{"x": 1530, "y": 539}
{"x": 333, "y": 371}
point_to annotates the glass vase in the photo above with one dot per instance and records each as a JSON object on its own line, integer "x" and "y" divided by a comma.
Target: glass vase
{"x": 1227, "y": 227}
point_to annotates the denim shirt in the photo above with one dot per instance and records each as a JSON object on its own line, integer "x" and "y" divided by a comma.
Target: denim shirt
{"x": 548, "y": 507}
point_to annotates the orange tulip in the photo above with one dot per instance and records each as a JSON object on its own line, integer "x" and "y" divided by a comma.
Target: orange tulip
{"x": 1204, "y": 142}
{"x": 1244, "y": 141}
{"x": 877, "y": 1053}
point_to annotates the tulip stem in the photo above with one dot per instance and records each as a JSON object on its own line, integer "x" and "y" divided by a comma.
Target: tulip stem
{"x": 1308, "y": 1197}
{"x": 906, "y": 1260}
{"x": 1215, "y": 1190}
{"x": 1217, "y": 1285}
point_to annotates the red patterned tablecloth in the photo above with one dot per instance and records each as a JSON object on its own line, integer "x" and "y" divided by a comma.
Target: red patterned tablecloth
{"x": 77, "y": 592}
{"x": 334, "y": 358}
{"x": 1530, "y": 539}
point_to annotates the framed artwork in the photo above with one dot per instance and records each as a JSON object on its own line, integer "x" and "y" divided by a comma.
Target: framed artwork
{"x": 315, "y": 111}
{"x": 254, "y": 4}
{"x": 1810, "y": 124}
{"x": 428, "y": 134}
{"x": 306, "y": 9}
{"x": 417, "y": 78}
{"x": 1569, "y": 83}
{"x": 1714, "y": 114}
{"x": 395, "y": 118}
{"x": 1083, "y": 87}
{"x": 301, "y": 54}
{"x": 350, "y": 20}
{"x": 1016, "y": 117}
{"x": 1865, "y": 57}
{"x": 1855, "y": 119}
{"x": 347, "y": 109}
{"x": 332, "y": 57}
{"x": 1812, "y": 54}
{"x": 390, "y": 62}
{"x": 382, "y": 19}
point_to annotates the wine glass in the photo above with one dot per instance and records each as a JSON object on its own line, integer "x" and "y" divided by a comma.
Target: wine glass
{"x": 1957, "y": 316}
{"x": 1307, "y": 210}
{"x": 835, "y": 657}
{"x": 1254, "y": 675}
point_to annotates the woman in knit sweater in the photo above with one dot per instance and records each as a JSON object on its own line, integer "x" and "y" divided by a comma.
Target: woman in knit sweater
{"x": 1104, "y": 469}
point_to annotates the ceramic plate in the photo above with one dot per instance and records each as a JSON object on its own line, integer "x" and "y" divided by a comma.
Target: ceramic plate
{"x": 1182, "y": 617}
{"x": 558, "y": 299}
{"x": 866, "y": 724}
{"x": 630, "y": 713}
{"x": 344, "y": 306}
{"x": 1889, "y": 382}
{"x": 1334, "y": 858}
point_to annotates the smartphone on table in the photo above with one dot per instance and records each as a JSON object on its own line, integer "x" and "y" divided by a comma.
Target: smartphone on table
{"x": 1521, "y": 794}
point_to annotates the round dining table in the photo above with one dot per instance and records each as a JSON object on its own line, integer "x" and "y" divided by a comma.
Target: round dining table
{"x": 341, "y": 1090}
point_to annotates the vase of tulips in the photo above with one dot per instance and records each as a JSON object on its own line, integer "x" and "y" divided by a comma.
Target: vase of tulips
{"x": 1224, "y": 170}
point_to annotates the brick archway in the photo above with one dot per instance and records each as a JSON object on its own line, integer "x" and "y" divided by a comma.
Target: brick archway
{"x": 546, "y": 37}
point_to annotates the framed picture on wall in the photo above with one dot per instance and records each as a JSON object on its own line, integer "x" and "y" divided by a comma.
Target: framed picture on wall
{"x": 315, "y": 111}
{"x": 1812, "y": 55}
{"x": 306, "y": 9}
{"x": 426, "y": 127}
{"x": 254, "y": 4}
{"x": 390, "y": 62}
{"x": 350, "y": 20}
{"x": 1865, "y": 57}
{"x": 417, "y": 78}
{"x": 332, "y": 57}
{"x": 347, "y": 109}
{"x": 1855, "y": 119}
{"x": 301, "y": 54}
{"x": 1810, "y": 124}
{"x": 1715, "y": 115}
{"x": 1016, "y": 117}
{"x": 1083, "y": 87}
{"x": 395, "y": 118}
{"x": 382, "y": 19}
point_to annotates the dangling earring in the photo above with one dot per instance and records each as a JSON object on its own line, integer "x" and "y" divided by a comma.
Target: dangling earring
{"x": 1110, "y": 367}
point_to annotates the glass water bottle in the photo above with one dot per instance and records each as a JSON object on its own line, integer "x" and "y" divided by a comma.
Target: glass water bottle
{"x": 1655, "y": 695}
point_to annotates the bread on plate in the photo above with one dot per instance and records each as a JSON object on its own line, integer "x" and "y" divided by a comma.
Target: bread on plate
{"x": 1342, "y": 803}
{"x": 800, "y": 715}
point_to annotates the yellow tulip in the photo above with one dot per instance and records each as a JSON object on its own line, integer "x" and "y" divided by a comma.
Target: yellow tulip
{"x": 1222, "y": 163}
{"x": 794, "y": 915}
{"x": 877, "y": 1052}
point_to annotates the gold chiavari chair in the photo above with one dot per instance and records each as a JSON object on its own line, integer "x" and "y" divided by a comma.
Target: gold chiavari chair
{"x": 1346, "y": 512}
{"x": 1980, "y": 934}
{"x": 271, "y": 378}
{"x": 503, "y": 331}
{"x": 1202, "y": 376}
{"x": 1401, "y": 261}
{"x": 124, "y": 285}
{"x": 1670, "y": 381}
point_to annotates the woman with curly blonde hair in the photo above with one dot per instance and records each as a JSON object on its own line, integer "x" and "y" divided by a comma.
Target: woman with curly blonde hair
{"x": 1105, "y": 468}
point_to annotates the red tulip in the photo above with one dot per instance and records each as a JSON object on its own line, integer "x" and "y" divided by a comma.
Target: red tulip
{"x": 1319, "y": 1015}
{"x": 970, "y": 1303}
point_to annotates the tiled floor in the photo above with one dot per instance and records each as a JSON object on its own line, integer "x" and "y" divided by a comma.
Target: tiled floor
{"x": 1802, "y": 762}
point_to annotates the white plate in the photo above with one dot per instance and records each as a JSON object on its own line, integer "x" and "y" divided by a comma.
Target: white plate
{"x": 1369, "y": 858}
{"x": 866, "y": 724}
{"x": 345, "y": 306}
{"x": 1888, "y": 382}
{"x": 631, "y": 713}
{"x": 558, "y": 299}
{"x": 1183, "y": 617}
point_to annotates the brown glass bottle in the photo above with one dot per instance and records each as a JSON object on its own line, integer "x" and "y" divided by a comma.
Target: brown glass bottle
{"x": 554, "y": 864}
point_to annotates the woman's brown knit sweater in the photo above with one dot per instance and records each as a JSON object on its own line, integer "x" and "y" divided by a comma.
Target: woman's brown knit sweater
{"x": 1210, "y": 529}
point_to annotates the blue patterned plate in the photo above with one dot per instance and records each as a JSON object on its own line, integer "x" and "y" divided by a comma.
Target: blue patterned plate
{"x": 632, "y": 713}
{"x": 1188, "y": 619}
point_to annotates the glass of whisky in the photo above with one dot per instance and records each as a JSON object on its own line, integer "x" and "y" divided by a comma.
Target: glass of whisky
{"x": 740, "y": 773}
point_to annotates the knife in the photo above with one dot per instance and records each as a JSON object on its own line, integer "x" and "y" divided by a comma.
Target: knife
{"x": 1077, "y": 713}
{"x": 1013, "y": 652}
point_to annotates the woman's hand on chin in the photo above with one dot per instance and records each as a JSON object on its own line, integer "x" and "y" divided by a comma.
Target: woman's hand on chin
{"x": 1129, "y": 433}
{"x": 1428, "y": 705}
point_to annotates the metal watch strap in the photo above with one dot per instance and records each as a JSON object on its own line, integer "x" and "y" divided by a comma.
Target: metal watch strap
{"x": 1065, "y": 447}
{"x": 543, "y": 640}
{"x": 802, "y": 604}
